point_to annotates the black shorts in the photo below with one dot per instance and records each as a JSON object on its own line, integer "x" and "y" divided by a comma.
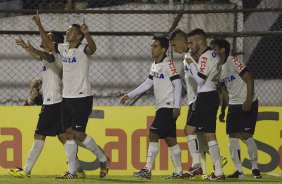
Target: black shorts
{"x": 75, "y": 112}
{"x": 240, "y": 121}
{"x": 49, "y": 122}
{"x": 189, "y": 112}
{"x": 164, "y": 125}
{"x": 204, "y": 112}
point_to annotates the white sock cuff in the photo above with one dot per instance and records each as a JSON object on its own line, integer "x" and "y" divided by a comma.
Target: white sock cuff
{"x": 234, "y": 142}
{"x": 154, "y": 146}
{"x": 174, "y": 149}
{"x": 37, "y": 141}
{"x": 70, "y": 142}
{"x": 191, "y": 137}
{"x": 212, "y": 143}
{"x": 87, "y": 140}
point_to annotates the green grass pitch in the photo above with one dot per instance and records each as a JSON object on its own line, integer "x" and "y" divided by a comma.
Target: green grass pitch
{"x": 7, "y": 179}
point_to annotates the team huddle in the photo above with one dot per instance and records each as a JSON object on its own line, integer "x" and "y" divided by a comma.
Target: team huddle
{"x": 67, "y": 102}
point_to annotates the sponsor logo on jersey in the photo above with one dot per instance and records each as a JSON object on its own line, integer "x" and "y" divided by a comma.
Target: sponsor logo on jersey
{"x": 172, "y": 67}
{"x": 228, "y": 79}
{"x": 238, "y": 63}
{"x": 158, "y": 75}
{"x": 69, "y": 60}
{"x": 203, "y": 62}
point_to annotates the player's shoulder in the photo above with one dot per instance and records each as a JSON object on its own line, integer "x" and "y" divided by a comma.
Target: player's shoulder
{"x": 209, "y": 54}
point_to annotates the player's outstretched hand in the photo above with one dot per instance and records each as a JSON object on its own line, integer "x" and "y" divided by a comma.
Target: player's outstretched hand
{"x": 123, "y": 99}
{"x": 21, "y": 42}
{"x": 247, "y": 105}
{"x": 176, "y": 113}
{"x": 36, "y": 18}
{"x": 84, "y": 27}
{"x": 221, "y": 117}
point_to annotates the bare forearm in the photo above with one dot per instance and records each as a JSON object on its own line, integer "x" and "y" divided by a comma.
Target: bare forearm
{"x": 250, "y": 90}
{"x": 91, "y": 48}
{"x": 45, "y": 38}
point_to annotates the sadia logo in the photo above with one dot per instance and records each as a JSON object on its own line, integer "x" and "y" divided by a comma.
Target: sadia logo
{"x": 69, "y": 60}
{"x": 158, "y": 75}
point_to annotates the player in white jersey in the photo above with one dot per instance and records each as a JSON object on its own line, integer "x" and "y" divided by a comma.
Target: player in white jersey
{"x": 238, "y": 94}
{"x": 180, "y": 44}
{"x": 167, "y": 89}
{"x": 77, "y": 95}
{"x": 49, "y": 122}
{"x": 203, "y": 117}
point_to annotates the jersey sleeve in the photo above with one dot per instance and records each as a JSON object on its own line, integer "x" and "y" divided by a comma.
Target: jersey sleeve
{"x": 172, "y": 71}
{"x": 238, "y": 66}
{"x": 82, "y": 48}
{"x": 204, "y": 66}
{"x": 151, "y": 73}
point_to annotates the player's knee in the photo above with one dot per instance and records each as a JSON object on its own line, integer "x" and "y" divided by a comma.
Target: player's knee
{"x": 235, "y": 135}
{"x": 189, "y": 130}
{"x": 79, "y": 136}
{"x": 209, "y": 136}
{"x": 246, "y": 136}
{"x": 62, "y": 138}
{"x": 69, "y": 134}
{"x": 171, "y": 142}
{"x": 39, "y": 137}
{"x": 153, "y": 137}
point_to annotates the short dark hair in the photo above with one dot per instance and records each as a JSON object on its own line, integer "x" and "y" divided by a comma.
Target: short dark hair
{"x": 197, "y": 31}
{"x": 175, "y": 32}
{"x": 222, "y": 43}
{"x": 78, "y": 27}
{"x": 57, "y": 37}
{"x": 164, "y": 42}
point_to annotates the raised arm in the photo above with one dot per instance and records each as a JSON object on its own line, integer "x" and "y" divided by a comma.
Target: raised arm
{"x": 43, "y": 55}
{"x": 91, "y": 46}
{"x": 45, "y": 38}
{"x": 22, "y": 43}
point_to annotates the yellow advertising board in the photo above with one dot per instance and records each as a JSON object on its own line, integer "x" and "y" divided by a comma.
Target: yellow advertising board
{"x": 122, "y": 133}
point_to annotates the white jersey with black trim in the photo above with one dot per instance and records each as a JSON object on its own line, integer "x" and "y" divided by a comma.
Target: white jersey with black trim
{"x": 52, "y": 81}
{"x": 231, "y": 71}
{"x": 163, "y": 74}
{"x": 208, "y": 69}
{"x": 191, "y": 84}
{"x": 75, "y": 71}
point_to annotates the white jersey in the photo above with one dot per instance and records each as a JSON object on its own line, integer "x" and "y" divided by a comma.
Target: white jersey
{"x": 209, "y": 69}
{"x": 75, "y": 71}
{"x": 191, "y": 83}
{"x": 230, "y": 77}
{"x": 163, "y": 74}
{"x": 52, "y": 81}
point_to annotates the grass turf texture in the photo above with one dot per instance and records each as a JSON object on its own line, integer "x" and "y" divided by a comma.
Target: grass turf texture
{"x": 130, "y": 179}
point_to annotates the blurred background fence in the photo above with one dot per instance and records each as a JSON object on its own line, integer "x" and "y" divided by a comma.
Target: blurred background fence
{"x": 123, "y": 30}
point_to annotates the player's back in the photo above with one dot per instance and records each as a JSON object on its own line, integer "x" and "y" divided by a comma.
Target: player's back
{"x": 52, "y": 81}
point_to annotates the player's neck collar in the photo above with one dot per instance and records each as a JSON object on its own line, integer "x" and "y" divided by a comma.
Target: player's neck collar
{"x": 207, "y": 49}
{"x": 161, "y": 59}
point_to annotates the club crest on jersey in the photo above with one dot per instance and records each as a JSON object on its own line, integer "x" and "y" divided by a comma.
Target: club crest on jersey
{"x": 158, "y": 75}
{"x": 228, "y": 79}
{"x": 69, "y": 60}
